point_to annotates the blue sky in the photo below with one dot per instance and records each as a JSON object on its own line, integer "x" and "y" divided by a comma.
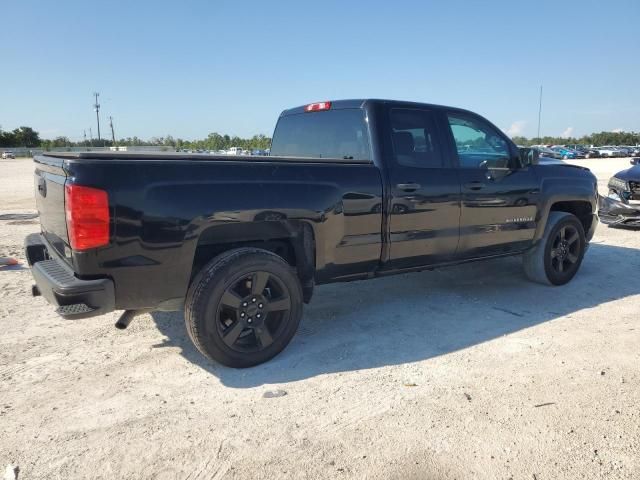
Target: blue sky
{"x": 193, "y": 67}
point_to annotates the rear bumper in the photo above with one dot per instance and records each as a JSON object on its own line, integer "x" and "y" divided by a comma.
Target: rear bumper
{"x": 56, "y": 281}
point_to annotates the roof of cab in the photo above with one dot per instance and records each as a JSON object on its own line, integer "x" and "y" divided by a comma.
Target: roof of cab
{"x": 360, "y": 103}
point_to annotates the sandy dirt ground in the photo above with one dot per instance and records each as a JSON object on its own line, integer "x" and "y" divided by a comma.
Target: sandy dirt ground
{"x": 466, "y": 372}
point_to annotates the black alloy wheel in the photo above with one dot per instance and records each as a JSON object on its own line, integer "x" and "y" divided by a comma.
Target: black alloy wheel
{"x": 556, "y": 257}
{"x": 244, "y": 307}
{"x": 565, "y": 249}
{"x": 253, "y": 310}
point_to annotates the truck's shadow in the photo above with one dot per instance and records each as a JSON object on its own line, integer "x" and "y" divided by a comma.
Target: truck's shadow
{"x": 413, "y": 317}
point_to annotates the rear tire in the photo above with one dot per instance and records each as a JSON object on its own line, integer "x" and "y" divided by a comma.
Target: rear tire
{"x": 243, "y": 307}
{"x": 557, "y": 257}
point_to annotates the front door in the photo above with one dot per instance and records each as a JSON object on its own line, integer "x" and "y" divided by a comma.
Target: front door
{"x": 499, "y": 195}
{"x": 424, "y": 209}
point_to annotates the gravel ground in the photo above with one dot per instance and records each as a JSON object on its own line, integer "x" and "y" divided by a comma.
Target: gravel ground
{"x": 466, "y": 372}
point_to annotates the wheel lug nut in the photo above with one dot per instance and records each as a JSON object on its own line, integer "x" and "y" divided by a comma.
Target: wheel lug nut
{"x": 242, "y": 315}
{"x": 244, "y": 304}
{"x": 253, "y": 300}
{"x": 258, "y": 315}
{"x": 249, "y": 320}
{"x": 260, "y": 305}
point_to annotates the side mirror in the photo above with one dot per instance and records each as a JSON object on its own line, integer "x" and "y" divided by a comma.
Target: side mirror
{"x": 529, "y": 156}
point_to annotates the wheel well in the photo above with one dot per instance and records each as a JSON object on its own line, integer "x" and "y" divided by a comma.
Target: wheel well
{"x": 580, "y": 209}
{"x": 297, "y": 248}
{"x": 206, "y": 252}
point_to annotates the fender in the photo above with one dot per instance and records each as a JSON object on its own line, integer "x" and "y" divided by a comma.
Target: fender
{"x": 557, "y": 189}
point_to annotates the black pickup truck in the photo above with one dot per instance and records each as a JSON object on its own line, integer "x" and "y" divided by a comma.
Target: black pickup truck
{"x": 352, "y": 190}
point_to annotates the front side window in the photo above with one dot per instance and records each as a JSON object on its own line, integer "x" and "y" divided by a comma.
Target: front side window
{"x": 326, "y": 134}
{"x": 414, "y": 138}
{"x": 478, "y": 144}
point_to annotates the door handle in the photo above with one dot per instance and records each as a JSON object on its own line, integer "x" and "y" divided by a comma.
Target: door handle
{"x": 408, "y": 187}
{"x": 474, "y": 185}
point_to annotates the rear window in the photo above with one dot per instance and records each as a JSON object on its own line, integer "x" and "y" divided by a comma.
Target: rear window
{"x": 329, "y": 134}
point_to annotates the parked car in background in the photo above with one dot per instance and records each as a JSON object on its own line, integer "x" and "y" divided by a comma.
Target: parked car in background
{"x": 585, "y": 150}
{"x": 630, "y": 150}
{"x": 567, "y": 153}
{"x": 624, "y": 151}
{"x": 544, "y": 152}
{"x": 608, "y": 152}
{"x": 621, "y": 207}
{"x": 234, "y": 151}
{"x": 588, "y": 152}
{"x": 8, "y": 154}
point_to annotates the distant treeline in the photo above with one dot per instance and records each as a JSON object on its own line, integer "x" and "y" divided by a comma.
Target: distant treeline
{"x": 29, "y": 138}
{"x": 596, "y": 139}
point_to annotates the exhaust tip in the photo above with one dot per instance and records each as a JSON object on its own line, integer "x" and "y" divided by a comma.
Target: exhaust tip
{"x": 125, "y": 319}
{"x": 127, "y": 316}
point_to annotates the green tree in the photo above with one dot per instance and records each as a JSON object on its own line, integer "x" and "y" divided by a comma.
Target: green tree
{"x": 26, "y": 137}
{"x": 7, "y": 139}
{"x": 61, "y": 142}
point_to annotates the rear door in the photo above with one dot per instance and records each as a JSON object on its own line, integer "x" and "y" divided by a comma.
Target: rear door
{"x": 49, "y": 181}
{"x": 424, "y": 207}
{"x": 499, "y": 196}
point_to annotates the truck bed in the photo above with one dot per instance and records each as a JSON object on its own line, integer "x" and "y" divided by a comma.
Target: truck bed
{"x": 201, "y": 157}
{"x": 165, "y": 207}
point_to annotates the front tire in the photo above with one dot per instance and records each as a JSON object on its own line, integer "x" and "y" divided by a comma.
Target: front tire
{"x": 558, "y": 255}
{"x": 243, "y": 307}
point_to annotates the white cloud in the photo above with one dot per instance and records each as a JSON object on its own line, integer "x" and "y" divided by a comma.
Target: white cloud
{"x": 567, "y": 133}
{"x": 515, "y": 128}
{"x": 617, "y": 130}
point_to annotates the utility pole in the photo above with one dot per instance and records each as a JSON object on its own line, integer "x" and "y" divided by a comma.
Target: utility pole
{"x": 91, "y": 136}
{"x": 113, "y": 135}
{"x": 539, "y": 111}
{"x": 96, "y": 106}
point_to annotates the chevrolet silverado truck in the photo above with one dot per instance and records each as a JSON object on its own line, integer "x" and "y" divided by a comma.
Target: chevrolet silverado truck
{"x": 351, "y": 190}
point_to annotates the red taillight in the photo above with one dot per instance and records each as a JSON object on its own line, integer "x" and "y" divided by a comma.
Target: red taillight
{"x": 87, "y": 212}
{"x": 316, "y": 107}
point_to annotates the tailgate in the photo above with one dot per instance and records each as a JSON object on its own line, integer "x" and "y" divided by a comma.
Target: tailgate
{"x": 49, "y": 180}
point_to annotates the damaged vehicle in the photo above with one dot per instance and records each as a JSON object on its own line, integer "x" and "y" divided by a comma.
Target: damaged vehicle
{"x": 621, "y": 207}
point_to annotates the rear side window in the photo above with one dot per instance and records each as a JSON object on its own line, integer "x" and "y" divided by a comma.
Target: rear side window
{"x": 326, "y": 134}
{"x": 414, "y": 137}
